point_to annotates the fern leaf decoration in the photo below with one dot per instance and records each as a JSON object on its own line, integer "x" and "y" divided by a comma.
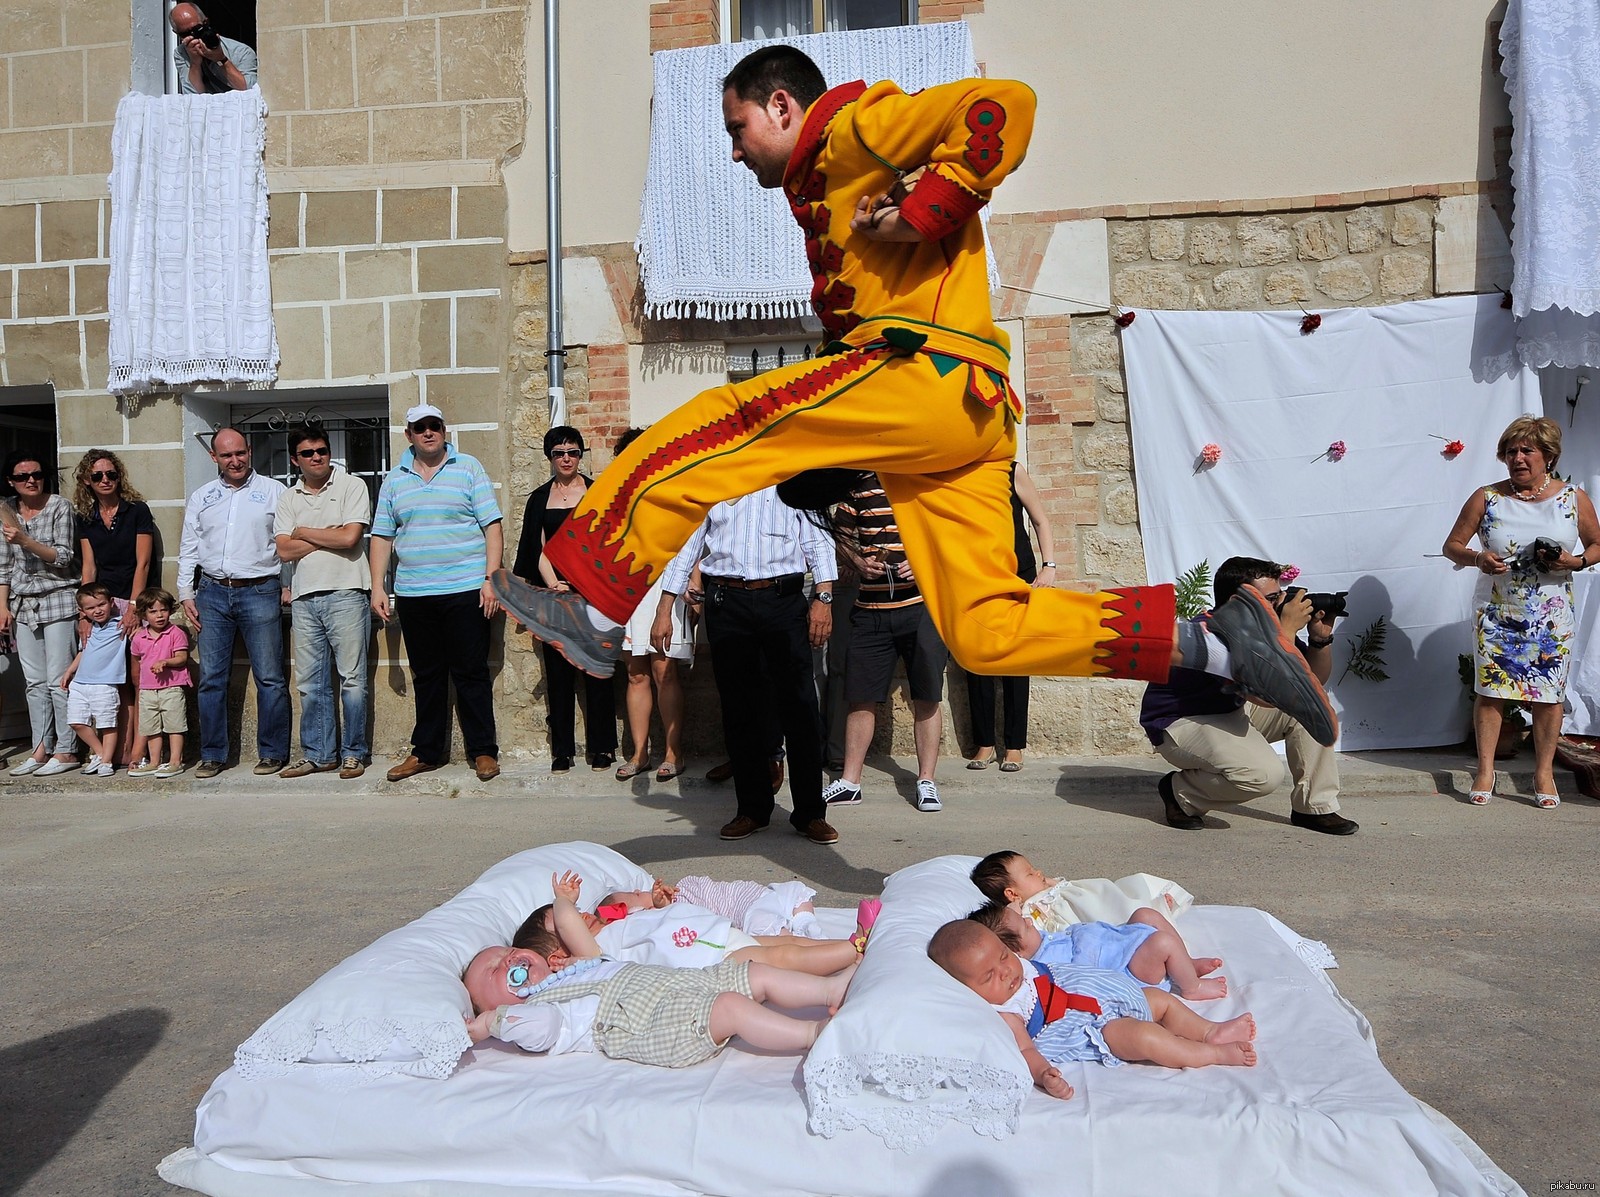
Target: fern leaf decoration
{"x": 1366, "y": 653}
{"x": 1194, "y": 590}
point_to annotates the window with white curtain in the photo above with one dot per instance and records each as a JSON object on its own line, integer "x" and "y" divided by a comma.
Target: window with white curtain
{"x": 756, "y": 20}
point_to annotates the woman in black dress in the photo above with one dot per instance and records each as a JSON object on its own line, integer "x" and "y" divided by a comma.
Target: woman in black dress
{"x": 116, "y": 534}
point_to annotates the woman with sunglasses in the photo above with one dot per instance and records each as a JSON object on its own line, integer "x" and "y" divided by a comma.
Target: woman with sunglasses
{"x": 39, "y": 602}
{"x": 547, "y": 509}
{"x": 116, "y": 534}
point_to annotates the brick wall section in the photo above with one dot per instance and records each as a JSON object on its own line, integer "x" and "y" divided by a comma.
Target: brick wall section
{"x": 64, "y": 68}
{"x": 608, "y": 412}
{"x": 675, "y": 24}
{"x": 931, "y": 12}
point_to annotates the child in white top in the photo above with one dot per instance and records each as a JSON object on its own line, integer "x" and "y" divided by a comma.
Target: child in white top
{"x": 784, "y": 907}
{"x": 1059, "y": 1013}
{"x": 92, "y": 679}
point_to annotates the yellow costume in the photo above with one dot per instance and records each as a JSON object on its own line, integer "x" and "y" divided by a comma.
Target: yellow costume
{"x": 917, "y": 390}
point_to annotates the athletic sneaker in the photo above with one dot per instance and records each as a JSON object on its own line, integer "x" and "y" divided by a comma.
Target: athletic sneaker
{"x": 1267, "y": 665}
{"x": 842, "y": 793}
{"x": 928, "y": 796}
{"x": 92, "y": 764}
{"x": 144, "y": 769}
{"x": 170, "y": 769}
{"x": 104, "y": 769}
{"x": 560, "y": 618}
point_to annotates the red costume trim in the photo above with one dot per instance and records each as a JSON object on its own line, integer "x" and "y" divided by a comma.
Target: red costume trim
{"x": 1141, "y": 620}
{"x": 815, "y": 129}
{"x": 985, "y": 146}
{"x": 1054, "y": 1001}
{"x": 585, "y": 549}
{"x": 938, "y": 206}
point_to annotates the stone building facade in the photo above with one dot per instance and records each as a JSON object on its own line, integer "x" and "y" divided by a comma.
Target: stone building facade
{"x": 404, "y": 156}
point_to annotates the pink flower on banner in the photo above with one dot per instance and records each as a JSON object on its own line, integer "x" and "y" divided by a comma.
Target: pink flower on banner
{"x": 1336, "y": 451}
{"x": 1452, "y": 449}
{"x": 683, "y": 937}
{"x": 1289, "y": 574}
{"x": 1211, "y": 454}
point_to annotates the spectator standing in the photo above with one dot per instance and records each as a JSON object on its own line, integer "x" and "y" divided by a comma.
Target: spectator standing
{"x": 761, "y": 631}
{"x": 207, "y": 62}
{"x": 162, "y": 649}
{"x": 39, "y": 604}
{"x": 230, "y": 585}
{"x": 319, "y": 527}
{"x": 981, "y": 688}
{"x": 547, "y": 509}
{"x": 890, "y": 621}
{"x": 437, "y": 517}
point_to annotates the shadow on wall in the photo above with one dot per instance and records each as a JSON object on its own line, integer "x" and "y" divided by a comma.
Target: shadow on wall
{"x": 54, "y": 1083}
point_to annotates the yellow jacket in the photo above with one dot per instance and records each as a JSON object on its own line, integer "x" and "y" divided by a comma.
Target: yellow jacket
{"x": 858, "y": 141}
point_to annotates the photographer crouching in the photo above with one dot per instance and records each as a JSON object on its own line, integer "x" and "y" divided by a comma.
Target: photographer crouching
{"x": 1220, "y": 747}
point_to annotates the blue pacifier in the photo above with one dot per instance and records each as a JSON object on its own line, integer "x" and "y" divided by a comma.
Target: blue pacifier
{"x": 517, "y": 979}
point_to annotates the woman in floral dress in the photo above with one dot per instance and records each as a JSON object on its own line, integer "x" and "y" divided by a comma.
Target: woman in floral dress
{"x": 1524, "y": 603}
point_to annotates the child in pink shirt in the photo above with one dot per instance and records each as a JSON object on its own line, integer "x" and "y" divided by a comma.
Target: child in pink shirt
{"x": 162, "y": 649}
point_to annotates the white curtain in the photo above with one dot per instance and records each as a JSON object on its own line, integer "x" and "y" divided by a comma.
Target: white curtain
{"x": 1386, "y": 381}
{"x": 713, "y": 244}
{"x": 189, "y": 295}
{"x": 1551, "y": 57}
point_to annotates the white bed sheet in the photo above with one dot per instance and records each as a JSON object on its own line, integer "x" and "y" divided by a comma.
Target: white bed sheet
{"x": 1319, "y": 1115}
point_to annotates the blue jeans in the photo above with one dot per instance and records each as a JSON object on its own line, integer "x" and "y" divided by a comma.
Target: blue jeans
{"x": 331, "y": 633}
{"x": 255, "y": 613}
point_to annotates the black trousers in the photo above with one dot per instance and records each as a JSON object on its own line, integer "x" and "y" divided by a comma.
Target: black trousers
{"x": 447, "y": 640}
{"x": 980, "y": 698}
{"x": 761, "y": 655}
{"x": 560, "y": 696}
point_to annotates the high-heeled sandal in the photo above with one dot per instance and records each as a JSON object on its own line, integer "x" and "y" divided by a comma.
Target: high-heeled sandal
{"x": 1546, "y": 801}
{"x": 1480, "y": 797}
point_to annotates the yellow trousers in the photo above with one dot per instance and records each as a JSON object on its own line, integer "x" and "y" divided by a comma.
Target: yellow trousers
{"x": 943, "y": 454}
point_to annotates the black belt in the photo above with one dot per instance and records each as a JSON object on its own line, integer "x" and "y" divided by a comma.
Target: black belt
{"x": 240, "y": 583}
{"x": 787, "y": 584}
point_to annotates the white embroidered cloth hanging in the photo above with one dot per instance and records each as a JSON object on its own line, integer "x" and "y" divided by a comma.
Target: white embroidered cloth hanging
{"x": 711, "y": 243}
{"x": 1551, "y": 52}
{"x": 188, "y": 290}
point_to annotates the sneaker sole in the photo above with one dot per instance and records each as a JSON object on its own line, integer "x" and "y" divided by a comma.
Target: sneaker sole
{"x": 930, "y": 808}
{"x": 516, "y": 596}
{"x": 1263, "y": 649}
{"x": 851, "y": 800}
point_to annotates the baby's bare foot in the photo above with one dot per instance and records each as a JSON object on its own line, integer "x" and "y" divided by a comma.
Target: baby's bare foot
{"x": 1204, "y": 966}
{"x": 1207, "y": 989}
{"x": 1235, "y": 1030}
{"x": 1236, "y": 1055}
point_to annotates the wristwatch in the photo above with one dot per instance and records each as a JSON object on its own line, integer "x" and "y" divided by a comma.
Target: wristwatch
{"x": 825, "y": 597}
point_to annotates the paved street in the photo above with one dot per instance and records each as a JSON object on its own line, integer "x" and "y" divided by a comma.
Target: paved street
{"x": 149, "y": 930}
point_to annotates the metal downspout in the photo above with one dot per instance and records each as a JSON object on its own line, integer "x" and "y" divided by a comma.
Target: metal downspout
{"x": 555, "y": 352}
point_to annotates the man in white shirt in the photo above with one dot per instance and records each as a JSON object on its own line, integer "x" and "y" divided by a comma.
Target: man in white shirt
{"x": 761, "y": 630}
{"x": 229, "y": 582}
{"x": 319, "y": 528}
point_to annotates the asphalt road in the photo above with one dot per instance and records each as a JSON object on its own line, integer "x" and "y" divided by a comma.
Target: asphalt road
{"x": 149, "y": 930}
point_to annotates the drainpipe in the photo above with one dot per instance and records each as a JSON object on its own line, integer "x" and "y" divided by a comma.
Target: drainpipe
{"x": 555, "y": 351}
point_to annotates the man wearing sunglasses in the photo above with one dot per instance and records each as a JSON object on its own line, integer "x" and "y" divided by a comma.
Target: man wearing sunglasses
{"x": 437, "y": 516}
{"x": 319, "y": 528}
{"x": 207, "y": 62}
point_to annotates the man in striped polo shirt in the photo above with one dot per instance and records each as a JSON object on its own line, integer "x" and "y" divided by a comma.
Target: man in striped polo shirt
{"x": 438, "y": 518}
{"x": 890, "y": 622}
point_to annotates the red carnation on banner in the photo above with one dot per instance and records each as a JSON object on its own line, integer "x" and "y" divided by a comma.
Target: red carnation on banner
{"x": 1452, "y": 449}
{"x": 1211, "y": 454}
{"x": 1123, "y": 319}
{"x": 1310, "y": 324}
{"x": 1334, "y": 452}
{"x": 1289, "y": 574}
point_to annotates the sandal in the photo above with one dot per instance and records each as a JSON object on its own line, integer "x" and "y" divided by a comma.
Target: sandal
{"x": 867, "y": 912}
{"x": 981, "y": 762}
{"x": 628, "y": 769}
{"x": 1546, "y": 801}
{"x": 1480, "y": 797}
{"x": 668, "y": 771}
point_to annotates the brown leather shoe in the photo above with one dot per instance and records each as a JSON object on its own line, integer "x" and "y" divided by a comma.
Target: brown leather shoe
{"x": 486, "y": 767}
{"x": 410, "y": 767}
{"x": 777, "y": 775}
{"x": 819, "y": 831}
{"x": 742, "y": 828}
{"x": 720, "y": 773}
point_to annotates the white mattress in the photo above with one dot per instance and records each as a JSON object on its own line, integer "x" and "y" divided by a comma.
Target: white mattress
{"x": 1319, "y": 1115}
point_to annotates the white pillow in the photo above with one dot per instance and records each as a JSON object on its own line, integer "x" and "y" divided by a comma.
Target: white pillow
{"x": 912, "y": 1048}
{"x": 398, "y": 1005}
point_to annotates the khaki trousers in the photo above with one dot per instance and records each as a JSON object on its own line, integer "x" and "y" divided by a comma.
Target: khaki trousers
{"x": 1225, "y": 759}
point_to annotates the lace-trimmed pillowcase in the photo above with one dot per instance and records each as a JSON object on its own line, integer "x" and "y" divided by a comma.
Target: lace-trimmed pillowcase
{"x": 398, "y": 1005}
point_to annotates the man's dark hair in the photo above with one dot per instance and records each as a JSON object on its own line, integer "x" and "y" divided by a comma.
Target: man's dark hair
{"x": 1236, "y": 571}
{"x": 993, "y": 916}
{"x": 307, "y": 431}
{"x": 534, "y": 936}
{"x": 776, "y": 68}
{"x": 992, "y": 875}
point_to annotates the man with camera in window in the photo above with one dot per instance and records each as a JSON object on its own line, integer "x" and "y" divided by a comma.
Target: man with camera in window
{"x": 209, "y": 63}
{"x": 1220, "y": 744}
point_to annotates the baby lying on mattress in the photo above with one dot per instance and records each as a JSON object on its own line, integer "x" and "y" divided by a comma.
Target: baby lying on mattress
{"x": 784, "y": 907}
{"x": 1061, "y": 1012}
{"x": 669, "y": 1017}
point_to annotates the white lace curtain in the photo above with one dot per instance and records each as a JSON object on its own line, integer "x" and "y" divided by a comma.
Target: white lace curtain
{"x": 1551, "y": 52}
{"x": 188, "y": 292}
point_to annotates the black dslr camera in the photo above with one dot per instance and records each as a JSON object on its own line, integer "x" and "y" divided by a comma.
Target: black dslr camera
{"x": 1542, "y": 555}
{"x": 1330, "y": 603}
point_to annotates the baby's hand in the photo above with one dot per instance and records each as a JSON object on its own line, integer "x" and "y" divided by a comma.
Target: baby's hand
{"x": 662, "y": 894}
{"x": 1053, "y": 1083}
{"x": 568, "y": 885}
{"x": 478, "y": 1026}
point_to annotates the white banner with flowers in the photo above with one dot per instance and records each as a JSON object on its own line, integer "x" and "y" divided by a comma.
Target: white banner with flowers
{"x": 1346, "y": 451}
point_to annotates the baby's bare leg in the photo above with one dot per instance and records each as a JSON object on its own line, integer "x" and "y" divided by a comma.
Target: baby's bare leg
{"x": 796, "y": 990}
{"x": 1185, "y": 1023}
{"x": 1164, "y": 955}
{"x": 734, "y": 1014}
{"x": 819, "y": 957}
{"x": 1150, "y": 1042}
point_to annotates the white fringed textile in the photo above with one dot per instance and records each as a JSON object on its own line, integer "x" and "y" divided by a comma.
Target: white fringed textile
{"x": 711, "y": 243}
{"x": 1551, "y": 52}
{"x": 188, "y": 291}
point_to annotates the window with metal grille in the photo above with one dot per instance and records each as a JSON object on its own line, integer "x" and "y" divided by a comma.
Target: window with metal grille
{"x": 747, "y": 360}
{"x": 358, "y": 435}
{"x": 756, "y": 20}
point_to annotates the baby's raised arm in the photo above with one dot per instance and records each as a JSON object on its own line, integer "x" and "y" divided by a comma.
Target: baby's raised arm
{"x": 662, "y": 894}
{"x": 1045, "y": 1074}
{"x": 574, "y": 932}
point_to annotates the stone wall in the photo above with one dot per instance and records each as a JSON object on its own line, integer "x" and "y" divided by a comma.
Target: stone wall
{"x": 63, "y": 67}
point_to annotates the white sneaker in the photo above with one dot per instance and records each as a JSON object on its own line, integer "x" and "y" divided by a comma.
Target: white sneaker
{"x": 90, "y": 765}
{"x": 52, "y": 767}
{"x": 170, "y": 769}
{"x": 105, "y": 769}
{"x": 928, "y": 796}
{"x": 842, "y": 793}
{"x": 28, "y": 766}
